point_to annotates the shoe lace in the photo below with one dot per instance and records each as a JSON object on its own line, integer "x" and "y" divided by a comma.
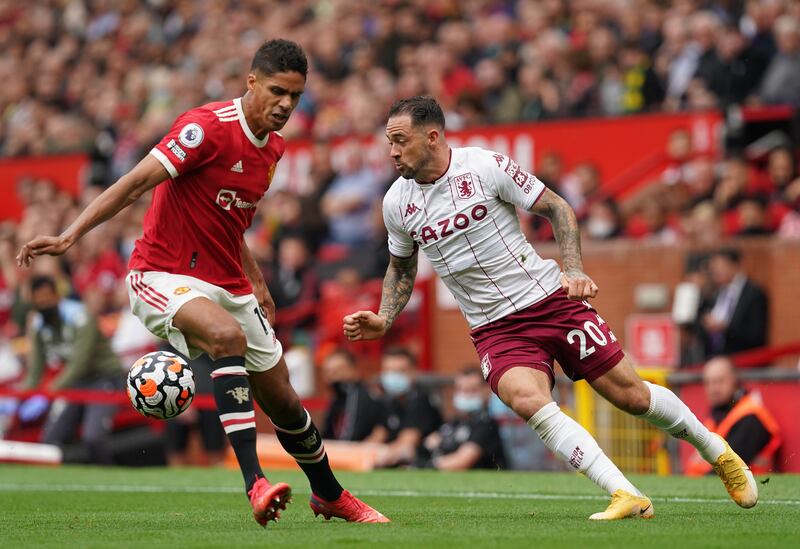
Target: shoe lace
{"x": 734, "y": 477}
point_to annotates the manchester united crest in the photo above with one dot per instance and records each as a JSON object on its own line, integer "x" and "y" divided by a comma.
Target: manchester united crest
{"x": 464, "y": 186}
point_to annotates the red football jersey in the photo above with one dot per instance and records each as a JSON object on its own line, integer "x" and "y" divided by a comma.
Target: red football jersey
{"x": 219, "y": 171}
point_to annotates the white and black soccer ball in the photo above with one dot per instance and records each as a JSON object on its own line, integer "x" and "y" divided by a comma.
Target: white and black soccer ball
{"x": 160, "y": 385}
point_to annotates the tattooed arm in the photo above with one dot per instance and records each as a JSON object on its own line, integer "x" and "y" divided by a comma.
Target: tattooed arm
{"x": 565, "y": 227}
{"x": 397, "y": 286}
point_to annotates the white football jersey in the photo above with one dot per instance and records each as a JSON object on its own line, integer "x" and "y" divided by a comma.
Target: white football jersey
{"x": 466, "y": 224}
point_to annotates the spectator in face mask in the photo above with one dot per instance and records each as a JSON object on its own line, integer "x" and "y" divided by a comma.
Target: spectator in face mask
{"x": 353, "y": 412}
{"x": 471, "y": 440}
{"x": 604, "y": 220}
{"x": 408, "y": 414}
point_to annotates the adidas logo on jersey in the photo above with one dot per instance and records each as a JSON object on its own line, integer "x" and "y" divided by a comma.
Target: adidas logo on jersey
{"x": 237, "y": 167}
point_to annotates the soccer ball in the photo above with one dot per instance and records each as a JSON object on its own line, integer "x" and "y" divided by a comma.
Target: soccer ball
{"x": 160, "y": 385}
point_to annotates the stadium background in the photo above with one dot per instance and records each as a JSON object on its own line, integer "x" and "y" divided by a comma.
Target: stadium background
{"x": 670, "y": 111}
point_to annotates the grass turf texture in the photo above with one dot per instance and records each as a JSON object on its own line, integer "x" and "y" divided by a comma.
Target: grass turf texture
{"x": 90, "y": 507}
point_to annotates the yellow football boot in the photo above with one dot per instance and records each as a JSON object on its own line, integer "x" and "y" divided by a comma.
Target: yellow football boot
{"x": 736, "y": 477}
{"x": 626, "y": 505}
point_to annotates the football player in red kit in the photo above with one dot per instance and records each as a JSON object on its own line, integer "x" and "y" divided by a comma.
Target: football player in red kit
{"x": 194, "y": 282}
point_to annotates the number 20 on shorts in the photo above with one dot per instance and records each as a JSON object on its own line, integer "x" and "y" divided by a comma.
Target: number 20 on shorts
{"x": 594, "y": 332}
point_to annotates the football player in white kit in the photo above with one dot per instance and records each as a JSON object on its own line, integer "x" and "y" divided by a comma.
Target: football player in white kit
{"x": 459, "y": 206}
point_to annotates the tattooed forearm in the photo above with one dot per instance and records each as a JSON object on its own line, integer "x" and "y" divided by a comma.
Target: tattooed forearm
{"x": 565, "y": 228}
{"x": 397, "y": 286}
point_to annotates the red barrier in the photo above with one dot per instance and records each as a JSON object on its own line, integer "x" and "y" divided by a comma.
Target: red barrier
{"x": 757, "y": 357}
{"x": 767, "y": 113}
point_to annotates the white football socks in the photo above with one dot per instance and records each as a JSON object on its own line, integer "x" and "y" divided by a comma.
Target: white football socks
{"x": 573, "y": 444}
{"x": 669, "y": 413}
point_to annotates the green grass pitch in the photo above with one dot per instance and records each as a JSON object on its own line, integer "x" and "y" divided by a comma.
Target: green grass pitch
{"x": 90, "y": 507}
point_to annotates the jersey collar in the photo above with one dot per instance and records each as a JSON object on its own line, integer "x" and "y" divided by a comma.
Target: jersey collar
{"x": 444, "y": 173}
{"x": 246, "y": 129}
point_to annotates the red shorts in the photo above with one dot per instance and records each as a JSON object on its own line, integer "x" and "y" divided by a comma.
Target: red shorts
{"x": 555, "y": 328}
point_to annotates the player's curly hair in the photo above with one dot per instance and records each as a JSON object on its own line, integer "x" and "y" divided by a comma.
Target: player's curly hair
{"x": 280, "y": 55}
{"x": 423, "y": 111}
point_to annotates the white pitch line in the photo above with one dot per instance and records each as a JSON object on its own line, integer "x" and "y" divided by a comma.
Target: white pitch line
{"x": 9, "y": 487}
{"x": 556, "y": 497}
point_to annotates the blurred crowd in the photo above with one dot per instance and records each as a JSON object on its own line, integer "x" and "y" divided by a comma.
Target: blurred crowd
{"x": 110, "y": 76}
{"x": 696, "y": 199}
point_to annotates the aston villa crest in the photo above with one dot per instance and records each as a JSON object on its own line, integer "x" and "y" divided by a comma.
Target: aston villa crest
{"x": 464, "y": 186}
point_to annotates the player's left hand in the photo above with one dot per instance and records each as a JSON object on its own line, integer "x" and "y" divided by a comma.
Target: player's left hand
{"x": 264, "y": 298}
{"x": 578, "y": 285}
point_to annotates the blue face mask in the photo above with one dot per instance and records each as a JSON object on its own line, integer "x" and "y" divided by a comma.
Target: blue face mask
{"x": 395, "y": 383}
{"x": 467, "y": 404}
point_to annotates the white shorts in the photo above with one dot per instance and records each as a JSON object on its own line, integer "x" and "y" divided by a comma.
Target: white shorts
{"x": 156, "y": 297}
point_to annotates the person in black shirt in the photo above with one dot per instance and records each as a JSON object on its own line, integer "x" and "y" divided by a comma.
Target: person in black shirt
{"x": 408, "y": 415}
{"x": 471, "y": 440}
{"x": 353, "y": 412}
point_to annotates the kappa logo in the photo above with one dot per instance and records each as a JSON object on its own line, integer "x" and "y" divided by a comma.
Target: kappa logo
{"x": 412, "y": 209}
{"x": 237, "y": 167}
{"x": 465, "y": 188}
{"x": 191, "y": 135}
{"x": 182, "y": 290}
{"x": 486, "y": 366}
{"x": 682, "y": 434}
{"x": 241, "y": 394}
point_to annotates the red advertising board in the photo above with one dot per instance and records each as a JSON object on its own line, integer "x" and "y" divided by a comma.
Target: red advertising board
{"x": 652, "y": 340}
{"x": 65, "y": 171}
{"x": 624, "y": 149}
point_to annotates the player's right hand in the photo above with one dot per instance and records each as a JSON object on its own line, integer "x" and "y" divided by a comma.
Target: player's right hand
{"x": 42, "y": 245}
{"x": 578, "y": 285}
{"x": 364, "y": 325}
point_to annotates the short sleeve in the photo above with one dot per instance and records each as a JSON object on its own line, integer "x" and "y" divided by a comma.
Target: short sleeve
{"x": 188, "y": 145}
{"x": 400, "y": 243}
{"x": 511, "y": 183}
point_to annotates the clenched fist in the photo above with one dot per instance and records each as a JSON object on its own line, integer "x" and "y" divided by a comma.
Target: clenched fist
{"x": 364, "y": 325}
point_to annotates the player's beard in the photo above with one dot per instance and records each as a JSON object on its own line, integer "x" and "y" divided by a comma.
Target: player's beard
{"x": 412, "y": 171}
{"x": 407, "y": 171}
